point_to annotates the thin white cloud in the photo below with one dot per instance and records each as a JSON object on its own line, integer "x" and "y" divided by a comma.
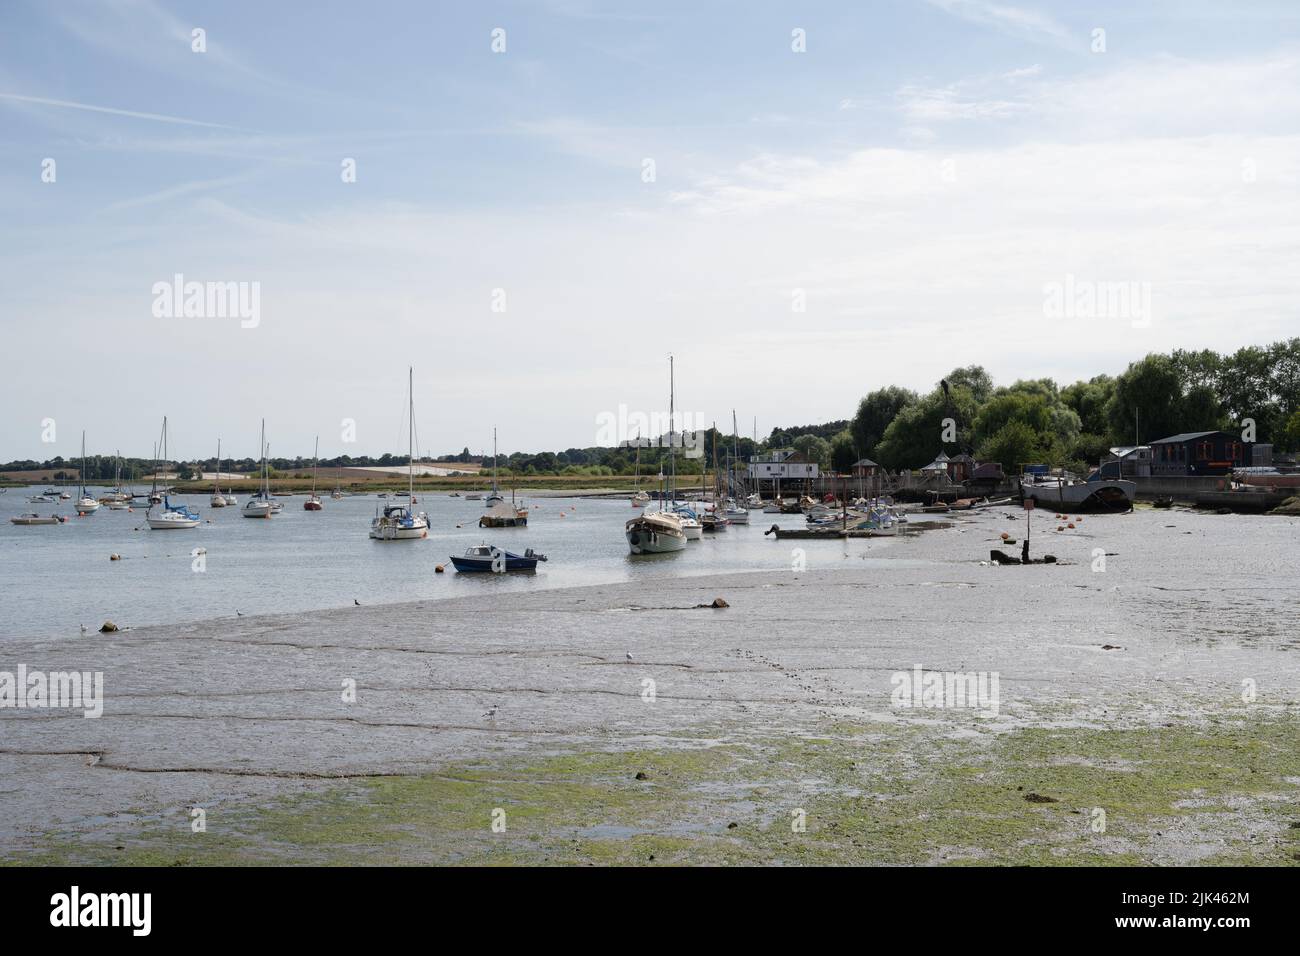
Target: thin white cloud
{"x": 114, "y": 111}
{"x": 1017, "y": 21}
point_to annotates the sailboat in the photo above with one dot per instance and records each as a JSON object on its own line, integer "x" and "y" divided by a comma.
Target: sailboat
{"x": 166, "y": 516}
{"x": 660, "y": 532}
{"x": 402, "y": 522}
{"x": 495, "y": 498}
{"x": 86, "y": 505}
{"x": 337, "y": 493}
{"x": 735, "y": 512}
{"x": 259, "y": 505}
{"x": 313, "y": 503}
{"x": 639, "y": 497}
{"x": 218, "y": 500}
{"x": 117, "y": 499}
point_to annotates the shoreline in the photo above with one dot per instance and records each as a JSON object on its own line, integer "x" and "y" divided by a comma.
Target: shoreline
{"x": 539, "y": 711}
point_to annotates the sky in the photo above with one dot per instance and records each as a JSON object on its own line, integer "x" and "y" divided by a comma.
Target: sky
{"x": 801, "y": 202}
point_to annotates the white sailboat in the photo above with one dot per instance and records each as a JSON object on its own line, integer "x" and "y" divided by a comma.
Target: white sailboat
{"x": 660, "y": 532}
{"x": 403, "y": 522}
{"x": 218, "y": 500}
{"x": 639, "y": 497}
{"x": 313, "y": 502}
{"x": 86, "y": 505}
{"x": 735, "y": 513}
{"x": 166, "y": 516}
{"x": 495, "y": 497}
{"x": 259, "y": 505}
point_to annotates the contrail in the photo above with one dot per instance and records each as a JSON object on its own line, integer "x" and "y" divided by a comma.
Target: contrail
{"x": 116, "y": 112}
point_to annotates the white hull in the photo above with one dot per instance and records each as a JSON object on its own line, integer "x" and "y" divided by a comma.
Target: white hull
{"x": 654, "y": 542}
{"x": 657, "y": 533}
{"x": 231, "y": 500}
{"x": 217, "y": 501}
{"x": 1084, "y": 496}
{"x": 87, "y": 506}
{"x": 382, "y": 530}
{"x": 172, "y": 524}
{"x": 737, "y": 516}
{"x": 254, "y": 508}
{"x": 119, "y": 505}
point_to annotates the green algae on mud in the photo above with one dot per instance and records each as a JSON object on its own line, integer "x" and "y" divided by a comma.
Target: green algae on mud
{"x": 878, "y": 793}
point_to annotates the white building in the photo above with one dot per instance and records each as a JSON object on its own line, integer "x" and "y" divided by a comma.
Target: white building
{"x": 785, "y": 465}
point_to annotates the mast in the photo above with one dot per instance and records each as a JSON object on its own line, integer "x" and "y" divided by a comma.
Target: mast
{"x": 82, "y": 493}
{"x": 315, "y": 461}
{"x": 494, "y": 460}
{"x": 735, "y": 455}
{"x": 672, "y": 439}
{"x": 216, "y": 474}
{"x": 410, "y": 435}
{"x": 263, "y": 444}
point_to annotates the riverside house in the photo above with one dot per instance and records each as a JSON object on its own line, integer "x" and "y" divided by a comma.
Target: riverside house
{"x": 1198, "y": 454}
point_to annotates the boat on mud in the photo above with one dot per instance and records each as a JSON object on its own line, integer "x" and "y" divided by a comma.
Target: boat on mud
{"x": 1096, "y": 495}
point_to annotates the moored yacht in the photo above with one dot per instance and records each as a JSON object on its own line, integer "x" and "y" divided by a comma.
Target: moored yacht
{"x": 260, "y": 505}
{"x": 403, "y": 522}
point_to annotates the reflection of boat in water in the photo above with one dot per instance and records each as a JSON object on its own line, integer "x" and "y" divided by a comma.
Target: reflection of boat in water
{"x": 487, "y": 558}
{"x": 1070, "y": 494}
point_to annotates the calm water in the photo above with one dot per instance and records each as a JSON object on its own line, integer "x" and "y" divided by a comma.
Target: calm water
{"x": 59, "y": 577}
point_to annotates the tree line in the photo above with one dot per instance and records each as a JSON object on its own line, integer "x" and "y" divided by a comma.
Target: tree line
{"x": 1028, "y": 421}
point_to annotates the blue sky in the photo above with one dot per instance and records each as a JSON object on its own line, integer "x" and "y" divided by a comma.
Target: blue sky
{"x": 917, "y": 177}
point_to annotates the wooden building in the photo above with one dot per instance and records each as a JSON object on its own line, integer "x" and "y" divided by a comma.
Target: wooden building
{"x": 1199, "y": 453}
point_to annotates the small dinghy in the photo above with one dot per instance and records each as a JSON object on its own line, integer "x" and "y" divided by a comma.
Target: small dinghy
{"x": 488, "y": 558}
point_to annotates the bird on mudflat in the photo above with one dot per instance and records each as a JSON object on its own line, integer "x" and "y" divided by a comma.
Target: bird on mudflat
{"x": 356, "y": 602}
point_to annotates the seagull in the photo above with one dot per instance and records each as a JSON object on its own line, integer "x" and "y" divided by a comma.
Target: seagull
{"x": 83, "y": 630}
{"x": 629, "y": 656}
{"x": 356, "y": 602}
{"x": 492, "y": 711}
{"x": 239, "y": 613}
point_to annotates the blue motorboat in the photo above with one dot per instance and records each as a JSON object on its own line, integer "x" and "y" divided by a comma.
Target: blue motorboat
{"x": 487, "y": 558}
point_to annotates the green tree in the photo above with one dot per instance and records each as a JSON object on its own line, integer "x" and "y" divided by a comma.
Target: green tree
{"x": 917, "y": 432}
{"x": 843, "y": 453}
{"x": 974, "y": 379}
{"x": 1088, "y": 400}
{"x": 814, "y": 449}
{"x": 1027, "y": 407}
{"x": 1013, "y": 445}
{"x": 875, "y": 412}
{"x": 1151, "y": 392}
